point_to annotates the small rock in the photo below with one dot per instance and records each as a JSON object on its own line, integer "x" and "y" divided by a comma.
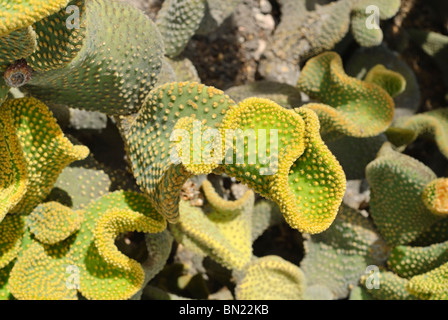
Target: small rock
{"x": 265, "y": 6}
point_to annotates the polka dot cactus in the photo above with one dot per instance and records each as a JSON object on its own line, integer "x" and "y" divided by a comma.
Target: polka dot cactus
{"x": 16, "y": 15}
{"x": 87, "y": 261}
{"x": 178, "y": 21}
{"x": 52, "y": 222}
{"x": 432, "y": 285}
{"x": 348, "y": 106}
{"x": 271, "y": 278}
{"x": 150, "y": 139}
{"x": 435, "y": 196}
{"x": 45, "y": 149}
{"x": 397, "y": 182}
{"x": 224, "y": 233}
{"x": 105, "y": 74}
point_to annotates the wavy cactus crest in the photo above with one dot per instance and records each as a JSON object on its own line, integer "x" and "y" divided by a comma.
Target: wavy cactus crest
{"x": 40, "y": 271}
{"x": 271, "y": 278}
{"x": 400, "y": 215}
{"x": 38, "y": 152}
{"x": 349, "y": 106}
{"x": 280, "y": 176}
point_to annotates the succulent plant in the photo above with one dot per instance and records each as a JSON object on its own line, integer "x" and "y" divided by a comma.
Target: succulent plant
{"x": 304, "y": 33}
{"x": 346, "y": 103}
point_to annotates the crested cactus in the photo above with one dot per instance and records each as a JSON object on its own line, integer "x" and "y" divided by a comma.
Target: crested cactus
{"x": 271, "y": 278}
{"x": 304, "y": 33}
{"x": 337, "y": 258}
{"x": 401, "y": 215}
{"x": 307, "y": 164}
{"x": 348, "y": 106}
{"x": 90, "y": 250}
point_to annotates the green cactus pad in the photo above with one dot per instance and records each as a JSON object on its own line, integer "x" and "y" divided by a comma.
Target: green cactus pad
{"x": 40, "y": 273}
{"x": 338, "y": 257}
{"x": 349, "y": 106}
{"x": 17, "y": 15}
{"x": 433, "y": 123}
{"x": 16, "y": 45}
{"x": 271, "y": 278}
{"x": 436, "y": 233}
{"x": 45, "y": 148}
{"x": 435, "y": 196}
{"x": 115, "y": 221}
{"x": 106, "y": 273}
{"x": 12, "y": 229}
{"x": 408, "y": 261}
{"x": 392, "y": 287}
{"x": 364, "y": 59}
{"x": 432, "y": 285}
{"x": 306, "y": 180}
{"x": 107, "y": 74}
{"x": 178, "y": 21}
{"x": 303, "y": 33}
{"x": 391, "y": 81}
{"x": 149, "y": 142}
{"x": 285, "y": 95}
{"x": 58, "y": 42}
{"x": 369, "y": 37}
{"x": 52, "y": 222}
{"x": 224, "y": 234}
{"x": 13, "y": 173}
{"x": 397, "y": 182}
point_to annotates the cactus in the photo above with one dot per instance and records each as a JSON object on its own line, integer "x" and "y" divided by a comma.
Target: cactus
{"x": 309, "y": 183}
{"x": 271, "y": 278}
{"x": 407, "y": 261}
{"x": 224, "y": 234}
{"x": 337, "y": 258}
{"x": 90, "y": 250}
{"x": 435, "y": 196}
{"x": 346, "y": 103}
{"x": 25, "y": 13}
{"x": 373, "y": 35}
{"x": 431, "y": 285}
{"x": 304, "y": 33}
{"x": 364, "y": 59}
{"x": 392, "y": 287}
{"x": 433, "y": 123}
{"x": 16, "y": 45}
{"x": 162, "y": 180}
{"x": 44, "y": 149}
{"x": 391, "y": 81}
{"x": 401, "y": 215}
{"x": 178, "y": 21}
{"x": 119, "y": 75}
